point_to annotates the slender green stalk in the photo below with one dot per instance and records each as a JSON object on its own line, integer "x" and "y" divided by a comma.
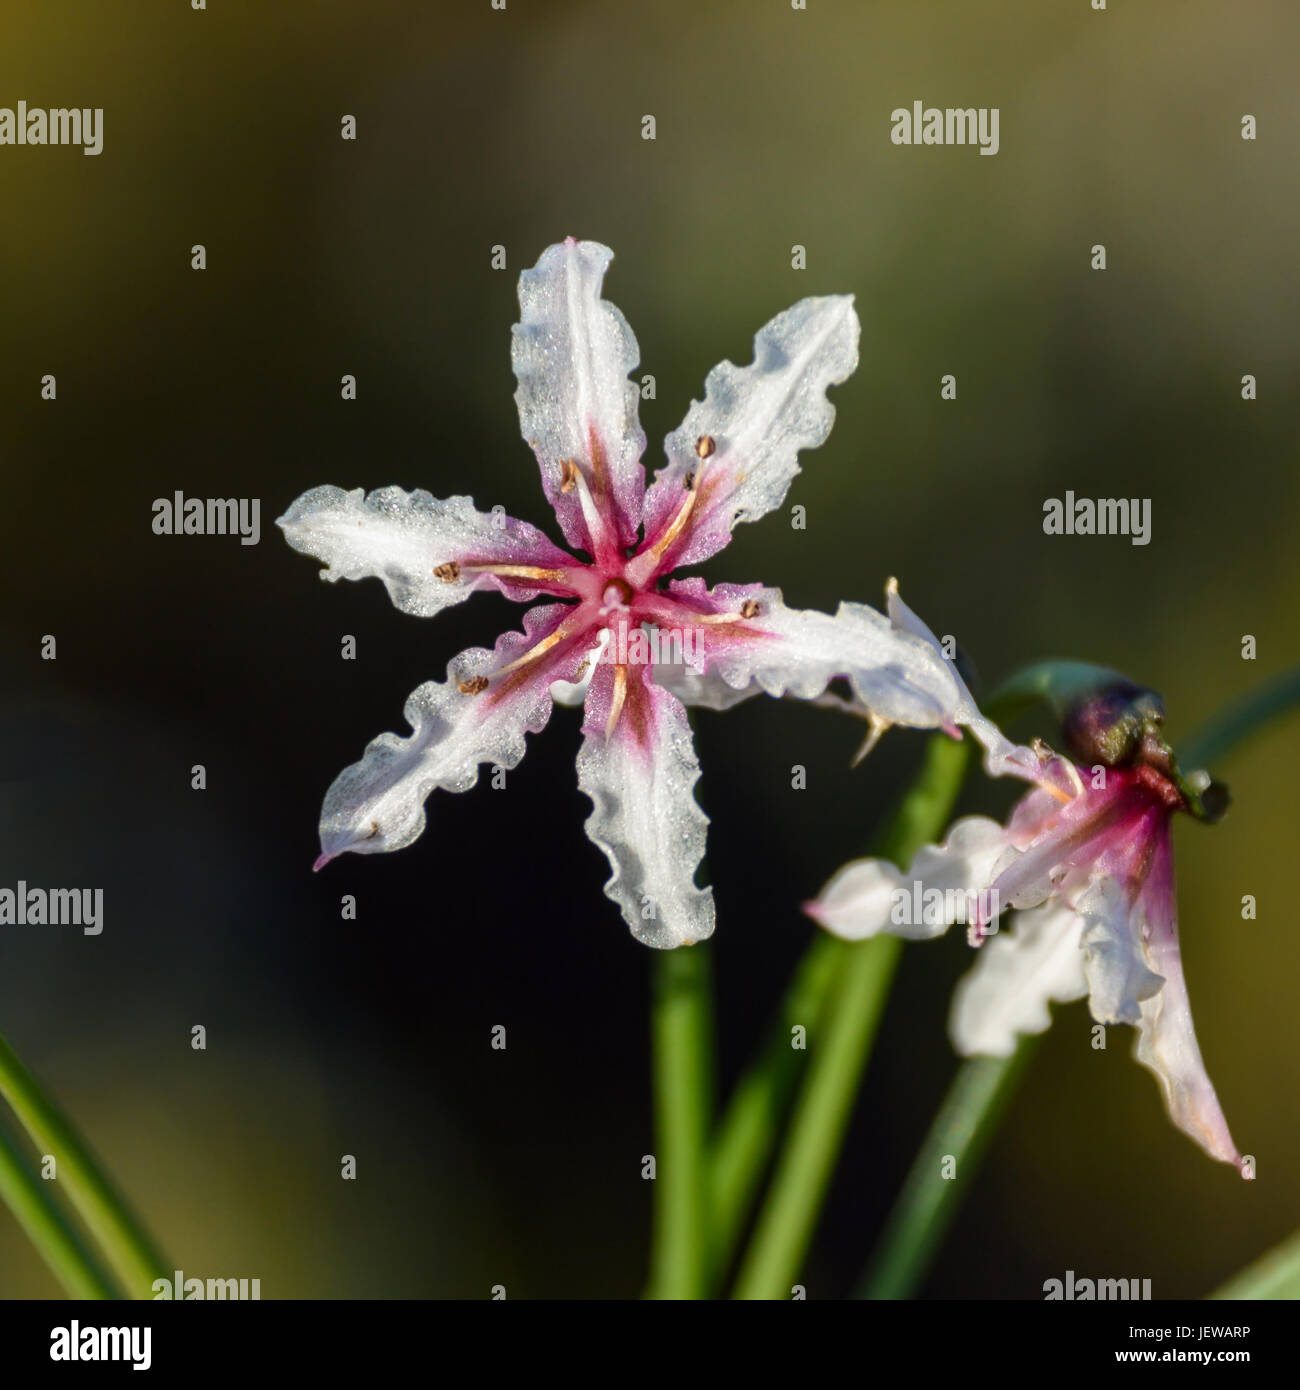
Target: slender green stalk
{"x": 745, "y": 1138}
{"x": 785, "y": 1225}
{"x": 682, "y": 1037}
{"x": 1240, "y": 720}
{"x": 1272, "y": 1276}
{"x": 29, "y": 1198}
{"x": 1055, "y": 684}
{"x": 126, "y": 1250}
{"x": 949, "y": 1157}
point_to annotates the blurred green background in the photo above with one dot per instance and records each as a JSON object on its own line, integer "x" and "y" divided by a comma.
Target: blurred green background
{"x": 477, "y": 128}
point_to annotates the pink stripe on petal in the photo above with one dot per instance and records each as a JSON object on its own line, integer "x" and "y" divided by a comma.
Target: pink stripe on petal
{"x": 1075, "y": 835}
{"x": 572, "y": 353}
{"x": 645, "y": 818}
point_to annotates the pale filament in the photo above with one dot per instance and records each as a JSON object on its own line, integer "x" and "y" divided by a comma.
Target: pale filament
{"x": 740, "y": 616}
{"x": 518, "y": 572}
{"x": 876, "y": 727}
{"x": 616, "y": 704}
{"x": 564, "y": 630}
{"x": 575, "y": 479}
{"x": 678, "y": 522}
{"x": 1064, "y": 797}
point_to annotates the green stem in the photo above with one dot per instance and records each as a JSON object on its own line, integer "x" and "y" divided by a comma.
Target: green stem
{"x": 1055, "y": 684}
{"x": 682, "y": 1037}
{"x": 126, "y": 1250}
{"x": 1240, "y": 720}
{"x": 30, "y": 1200}
{"x": 743, "y": 1146}
{"x": 949, "y": 1157}
{"x": 1273, "y": 1276}
{"x": 785, "y": 1225}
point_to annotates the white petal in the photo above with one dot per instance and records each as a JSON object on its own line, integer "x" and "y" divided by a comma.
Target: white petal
{"x": 404, "y": 537}
{"x": 1166, "y": 1042}
{"x": 1018, "y": 973}
{"x": 1001, "y": 755}
{"x": 1118, "y": 977}
{"x": 870, "y": 896}
{"x": 759, "y": 417}
{"x": 700, "y": 690}
{"x": 572, "y": 352}
{"x": 377, "y": 804}
{"x": 1167, "y": 1046}
{"x": 897, "y": 677}
{"x": 644, "y": 815}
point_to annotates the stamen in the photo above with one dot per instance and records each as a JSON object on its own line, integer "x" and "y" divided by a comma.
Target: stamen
{"x": 1045, "y": 755}
{"x": 573, "y": 479}
{"x": 476, "y": 685}
{"x": 748, "y": 609}
{"x": 542, "y": 576}
{"x": 678, "y": 523}
{"x": 448, "y": 572}
{"x": 620, "y": 694}
{"x": 533, "y": 653}
{"x": 704, "y": 448}
{"x": 875, "y": 727}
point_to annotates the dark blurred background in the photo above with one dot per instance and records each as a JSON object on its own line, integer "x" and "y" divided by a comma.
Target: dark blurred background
{"x": 477, "y": 128}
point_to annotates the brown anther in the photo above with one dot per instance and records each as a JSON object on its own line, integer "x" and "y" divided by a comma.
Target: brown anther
{"x": 568, "y": 475}
{"x": 447, "y": 572}
{"x": 476, "y": 685}
{"x": 688, "y": 482}
{"x": 705, "y": 445}
{"x": 374, "y": 830}
{"x": 750, "y": 608}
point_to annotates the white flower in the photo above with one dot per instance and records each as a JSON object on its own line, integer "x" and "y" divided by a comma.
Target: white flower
{"x": 732, "y": 459}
